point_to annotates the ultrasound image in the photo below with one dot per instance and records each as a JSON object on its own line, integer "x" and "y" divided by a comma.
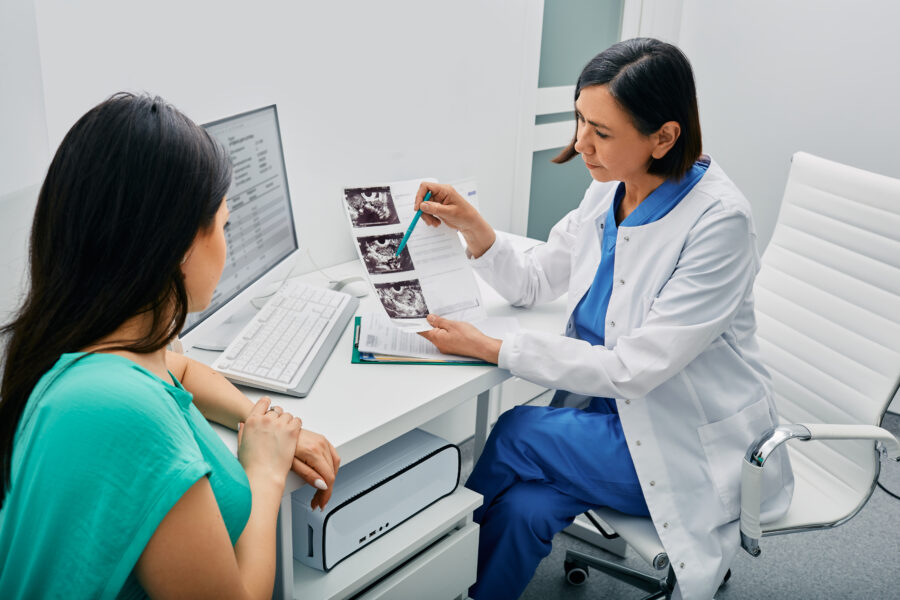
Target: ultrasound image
{"x": 378, "y": 253}
{"x": 370, "y": 207}
{"x": 403, "y": 299}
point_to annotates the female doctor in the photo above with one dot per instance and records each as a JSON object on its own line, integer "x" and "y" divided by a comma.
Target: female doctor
{"x": 658, "y": 262}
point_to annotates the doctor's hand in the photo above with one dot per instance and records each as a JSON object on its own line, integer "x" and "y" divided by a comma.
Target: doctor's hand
{"x": 448, "y": 207}
{"x": 317, "y": 462}
{"x": 464, "y": 339}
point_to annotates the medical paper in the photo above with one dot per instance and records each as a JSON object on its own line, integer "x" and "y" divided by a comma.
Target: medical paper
{"x": 431, "y": 275}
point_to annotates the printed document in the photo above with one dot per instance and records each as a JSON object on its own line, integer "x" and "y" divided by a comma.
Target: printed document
{"x": 431, "y": 275}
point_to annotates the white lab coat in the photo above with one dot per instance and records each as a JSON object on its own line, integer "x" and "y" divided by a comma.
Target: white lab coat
{"x": 681, "y": 358}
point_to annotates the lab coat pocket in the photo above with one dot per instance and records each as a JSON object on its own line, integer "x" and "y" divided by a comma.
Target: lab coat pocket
{"x": 725, "y": 442}
{"x": 639, "y": 316}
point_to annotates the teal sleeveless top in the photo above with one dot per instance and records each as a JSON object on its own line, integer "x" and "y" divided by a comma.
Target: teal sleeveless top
{"x": 103, "y": 451}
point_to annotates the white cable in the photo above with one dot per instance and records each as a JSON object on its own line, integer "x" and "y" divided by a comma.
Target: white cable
{"x": 253, "y": 301}
{"x": 331, "y": 281}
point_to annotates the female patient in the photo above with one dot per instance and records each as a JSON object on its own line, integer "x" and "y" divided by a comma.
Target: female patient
{"x": 113, "y": 482}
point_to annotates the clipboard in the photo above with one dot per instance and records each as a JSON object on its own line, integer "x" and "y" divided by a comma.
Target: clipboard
{"x": 367, "y": 358}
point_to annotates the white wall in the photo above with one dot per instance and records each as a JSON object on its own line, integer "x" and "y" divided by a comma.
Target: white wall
{"x": 23, "y": 143}
{"x": 23, "y": 127}
{"x": 367, "y": 91}
{"x": 777, "y": 77}
{"x": 660, "y": 19}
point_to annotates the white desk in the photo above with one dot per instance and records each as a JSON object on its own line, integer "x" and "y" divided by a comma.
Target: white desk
{"x": 359, "y": 408}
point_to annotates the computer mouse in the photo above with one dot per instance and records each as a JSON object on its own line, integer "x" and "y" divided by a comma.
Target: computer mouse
{"x": 355, "y": 286}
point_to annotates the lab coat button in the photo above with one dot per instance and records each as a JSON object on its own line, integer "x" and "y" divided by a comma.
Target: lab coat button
{"x": 601, "y": 225}
{"x": 621, "y": 282}
{"x": 638, "y": 443}
{"x": 652, "y": 483}
{"x": 665, "y": 525}
{"x": 626, "y": 238}
{"x": 681, "y": 566}
{"x": 628, "y": 402}
{"x": 612, "y": 323}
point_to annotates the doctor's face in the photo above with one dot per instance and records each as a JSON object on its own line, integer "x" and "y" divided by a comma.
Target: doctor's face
{"x": 610, "y": 145}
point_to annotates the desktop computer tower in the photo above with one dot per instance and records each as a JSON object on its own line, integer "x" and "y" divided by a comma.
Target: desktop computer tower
{"x": 372, "y": 495}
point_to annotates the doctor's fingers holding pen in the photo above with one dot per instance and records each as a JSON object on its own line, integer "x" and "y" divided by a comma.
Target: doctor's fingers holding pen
{"x": 449, "y": 207}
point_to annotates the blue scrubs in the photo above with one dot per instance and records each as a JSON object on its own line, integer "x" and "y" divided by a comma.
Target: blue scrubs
{"x": 543, "y": 466}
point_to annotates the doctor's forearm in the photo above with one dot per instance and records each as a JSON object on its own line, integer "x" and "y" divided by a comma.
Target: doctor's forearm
{"x": 490, "y": 350}
{"x": 559, "y": 362}
{"x": 479, "y": 238}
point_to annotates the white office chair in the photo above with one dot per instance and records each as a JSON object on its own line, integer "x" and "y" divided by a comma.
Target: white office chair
{"x": 828, "y": 312}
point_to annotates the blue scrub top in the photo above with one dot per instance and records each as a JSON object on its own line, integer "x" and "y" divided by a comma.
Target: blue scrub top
{"x": 590, "y": 314}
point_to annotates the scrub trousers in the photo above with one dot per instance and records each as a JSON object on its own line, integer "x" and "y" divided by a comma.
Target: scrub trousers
{"x": 541, "y": 467}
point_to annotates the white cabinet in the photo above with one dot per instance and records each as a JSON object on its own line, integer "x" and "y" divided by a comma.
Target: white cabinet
{"x": 446, "y": 570}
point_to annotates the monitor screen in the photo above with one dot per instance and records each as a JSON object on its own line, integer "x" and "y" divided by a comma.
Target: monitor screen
{"x": 260, "y": 232}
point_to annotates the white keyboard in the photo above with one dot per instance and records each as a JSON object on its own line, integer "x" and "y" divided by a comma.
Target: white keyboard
{"x": 287, "y": 342}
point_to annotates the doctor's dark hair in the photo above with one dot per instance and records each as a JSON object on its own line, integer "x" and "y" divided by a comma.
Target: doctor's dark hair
{"x": 652, "y": 81}
{"x": 130, "y": 187}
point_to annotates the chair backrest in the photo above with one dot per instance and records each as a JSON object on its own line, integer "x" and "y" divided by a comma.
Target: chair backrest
{"x": 828, "y": 307}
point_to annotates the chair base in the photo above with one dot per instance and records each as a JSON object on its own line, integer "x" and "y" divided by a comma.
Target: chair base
{"x": 586, "y": 531}
{"x": 577, "y": 563}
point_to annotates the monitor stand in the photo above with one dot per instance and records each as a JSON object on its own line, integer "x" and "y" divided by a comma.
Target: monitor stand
{"x": 218, "y": 339}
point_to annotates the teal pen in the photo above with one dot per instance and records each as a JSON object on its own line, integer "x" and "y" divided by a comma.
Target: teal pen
{"x": 410, "y": 228}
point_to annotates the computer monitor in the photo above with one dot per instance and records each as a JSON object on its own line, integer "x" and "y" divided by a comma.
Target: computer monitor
{"x": 260, "y": 235}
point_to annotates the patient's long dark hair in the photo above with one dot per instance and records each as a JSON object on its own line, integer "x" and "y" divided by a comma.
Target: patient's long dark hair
{"x": 129, "y": 188}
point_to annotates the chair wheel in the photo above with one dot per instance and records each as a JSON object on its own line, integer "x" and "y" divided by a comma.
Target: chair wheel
{"x": 576, "y": 572}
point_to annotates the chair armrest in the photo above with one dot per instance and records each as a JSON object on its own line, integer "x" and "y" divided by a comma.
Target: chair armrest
{"x": 764, "y": 445}
{"x": 751, "y": 479}
{"x": 825, "y": 431}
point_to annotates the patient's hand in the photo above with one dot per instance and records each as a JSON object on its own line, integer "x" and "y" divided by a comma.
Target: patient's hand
{"x": 316, "y": 459}
{"x": 464, "y": 339}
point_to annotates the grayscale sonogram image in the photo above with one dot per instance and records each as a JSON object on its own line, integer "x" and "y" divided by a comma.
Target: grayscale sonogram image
{"x": 370, "y": 207}
{"x": 403, "y": 299}
{"x": 378, "y": 252}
